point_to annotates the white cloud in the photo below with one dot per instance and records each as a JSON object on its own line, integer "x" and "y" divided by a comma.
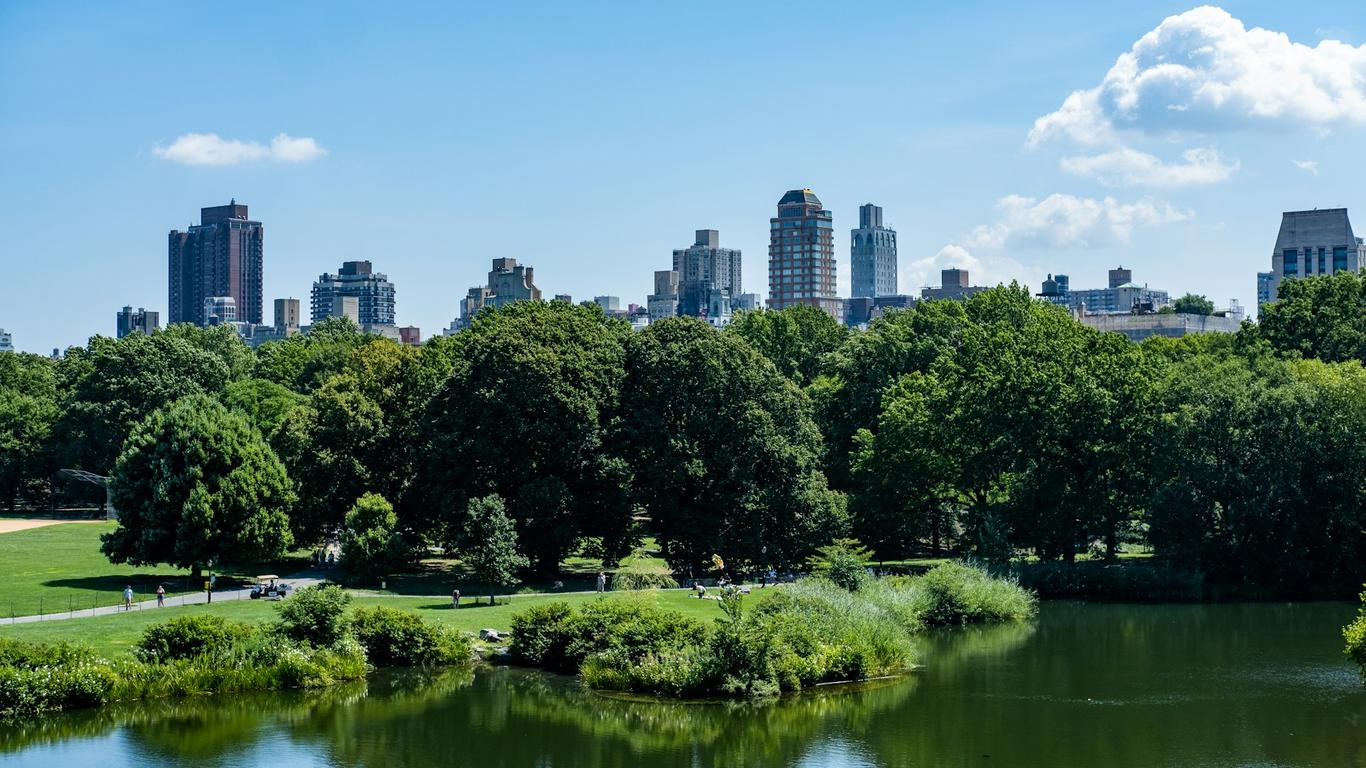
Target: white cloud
{"x": 1203, "y": 70}
{"x": 1129, "y": 167}
{"x": 1310, "y": 166}
{"x": 212, "y": 149}
{"x": 1064, "y": 221}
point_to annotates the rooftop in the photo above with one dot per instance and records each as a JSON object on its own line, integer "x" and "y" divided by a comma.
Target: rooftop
{"x": 800, "y": 196}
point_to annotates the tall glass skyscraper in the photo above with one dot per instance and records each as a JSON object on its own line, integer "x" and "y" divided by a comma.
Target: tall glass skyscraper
{"x": 801, "y": 255}
{"x": 872, "y": 255}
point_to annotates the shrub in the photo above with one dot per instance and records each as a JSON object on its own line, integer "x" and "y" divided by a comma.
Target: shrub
{"x": 1355, "y": 635}
{"x": 394, "y": 638}
{"x": 560, "y": 638}
{"x": 316, "y": 615}
{"x": 40, "y": 678}
{"x": 957, "y": 593}
{"x": 188, "y": 637}
{"x": 844, "y": 562}
{"x": 371, "y": 543}
{"x": 628, "y": 580}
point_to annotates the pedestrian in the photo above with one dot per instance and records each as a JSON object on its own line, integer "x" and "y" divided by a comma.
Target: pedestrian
{"x": 763, "y": 580}
{"x": 602, "y": 581}
{"x": 128, "y": 598}
{"x": 455, "y": 598}
{"x": 161, "y": 595}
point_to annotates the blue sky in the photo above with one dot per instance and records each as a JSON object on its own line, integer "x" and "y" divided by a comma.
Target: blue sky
{"x": 590, "y": 139}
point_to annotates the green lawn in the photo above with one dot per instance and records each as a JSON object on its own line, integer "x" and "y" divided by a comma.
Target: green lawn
{"x": 58, "y": 568}
{"x": 112, "y": 635}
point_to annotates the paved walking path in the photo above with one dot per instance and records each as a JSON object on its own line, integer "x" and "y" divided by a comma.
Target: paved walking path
{"x": 298, "y": 581}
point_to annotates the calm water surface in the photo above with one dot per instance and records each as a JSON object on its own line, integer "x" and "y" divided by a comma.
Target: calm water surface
{"x": 1085, "y": 685}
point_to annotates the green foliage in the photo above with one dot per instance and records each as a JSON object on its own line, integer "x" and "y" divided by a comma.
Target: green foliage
{"x": 956, "y": 593}
{"x": 844, "y": 562}
{"x": 111, "y": 386}
{"x": 266, "y": 404}
{"x": 371, "y": 543}
{"x": 1322, "y": 317}
{"x": 523, "y": 414}
{"x": 560, "y": 638}
{"x": 189, "y": 637}
{"x": 28, "y": 410}
{"x": 628, "y": 580}
{"x": 305, "y": 361}
{"x": 1192, "y": 304}
{"x": 1355, "y": 635}
{"x": 394, "y": 638}
{"x": 316, "y": 615}
{"x": 794, "y": 339}
{"x": 42, "y": 678}
{"x": 724, "y": 451}
{"x": 488, "y": 544}
{"x": 195, "y": 485}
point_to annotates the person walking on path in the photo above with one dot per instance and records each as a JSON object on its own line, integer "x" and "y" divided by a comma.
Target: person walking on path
{"x": 602, "y": 582}
{"x": 455, "y": 598}
{"x": 161, "y": 595}
{"x": 128, "y": 598}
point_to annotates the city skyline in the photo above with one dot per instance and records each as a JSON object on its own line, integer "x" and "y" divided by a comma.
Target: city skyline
{"x": 1013, "y": 167}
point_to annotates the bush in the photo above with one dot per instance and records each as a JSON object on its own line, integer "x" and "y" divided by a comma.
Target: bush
{"x": 957, "y": 593}
{"x": 560, "y": 638}
{"x": 844, "y": 562}
{"x": 393, "y": 638}
{"x": 188, "y": 637}
{"x": 315, "y": 615}
{"x": 1355, "y": 635}
{"x": 371, "y": 543}
{"x": 41, "y": 678}
{"x": 623, "y": 581}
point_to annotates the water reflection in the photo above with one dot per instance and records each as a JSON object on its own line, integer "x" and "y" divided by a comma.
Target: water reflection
{"x": 1084, "y": 686}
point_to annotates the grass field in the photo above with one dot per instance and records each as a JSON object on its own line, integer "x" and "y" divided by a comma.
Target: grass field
{"x": 112, "y": 635}
{"x": 58, "y": 568}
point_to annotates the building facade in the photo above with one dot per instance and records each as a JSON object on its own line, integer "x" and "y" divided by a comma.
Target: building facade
{"x": 703, "y": 267}
{"x": 1309, "y": 243}
{"x": 220, "y": 310}
{"x": 410, "y": 335}
{"x": 7, "y": 341}
{"x": 1055, "y": 290}
{"x": 508, "y": 282}
{"x": 1137, "y": 327}
{"x": 664, "y": 301}
{"x": 287, "y": 318}
{"x": 953, "y": 285}
{"x": 1265, "y": 292}
{"x": 1122, "y": 295}
{"x": 374, "y": 294}
{"x": 872, "y": 255}
{"x": 222, "y": 256}
{"x": 141, "y": 321}
{"x": 801, "y": 255}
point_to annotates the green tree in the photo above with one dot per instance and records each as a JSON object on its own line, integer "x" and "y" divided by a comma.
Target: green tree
{"x": 724, "y": 451}
{"x": 1355, "y": 635}
{"x": 488, "y": 544}
{"x": 316, "y": 615}
{"x": 304, "y": 361}
{"x": 848, "y": 394}
{"x": 265, "y": 404}
{"x": 1191, "y": 304}
{"x": 372, "y": 544}
{"x": 523, "y": 414}
{"x": 112, "y": 385}
{"x": 196, "y": 484}
{"x": 794, "y": 339}
{"x": 28, "y": 409}
{"x": 1322, "y": 317}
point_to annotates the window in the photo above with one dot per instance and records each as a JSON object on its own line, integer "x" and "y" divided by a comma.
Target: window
{"x": 1339, "y": 259}
{"x": 1291, "y": 258}
{"x": 1323, "y": 261}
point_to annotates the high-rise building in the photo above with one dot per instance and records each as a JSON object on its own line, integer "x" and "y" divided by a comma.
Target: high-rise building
{"x": 508, "y": 282}
{"x": 7, "y": 342}
{"x": 801, "y": 255}
{"x": 872, "y": 255}
{"x": 286, "y": 317}
{"x": 219, "y": 310}
{"x": 566, "y": 298}
{"x": 1266, "y": 293}
{"x": 221, "y": 256}
{"x": 1317, "y": 242}
{"x": 664, "y": 301}
{"x": 373, "y": 292}
{"x": 344, "y": 306}
{"x": 703, "y": 267}
{"x": 141, "y": 320}
{"x": 1119, "y": 276}
{"x": 608, "y": 304}
{"x": 410, "y": 335}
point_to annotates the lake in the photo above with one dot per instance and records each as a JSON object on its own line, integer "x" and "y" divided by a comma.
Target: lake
{"x": 1207, "y": 686}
